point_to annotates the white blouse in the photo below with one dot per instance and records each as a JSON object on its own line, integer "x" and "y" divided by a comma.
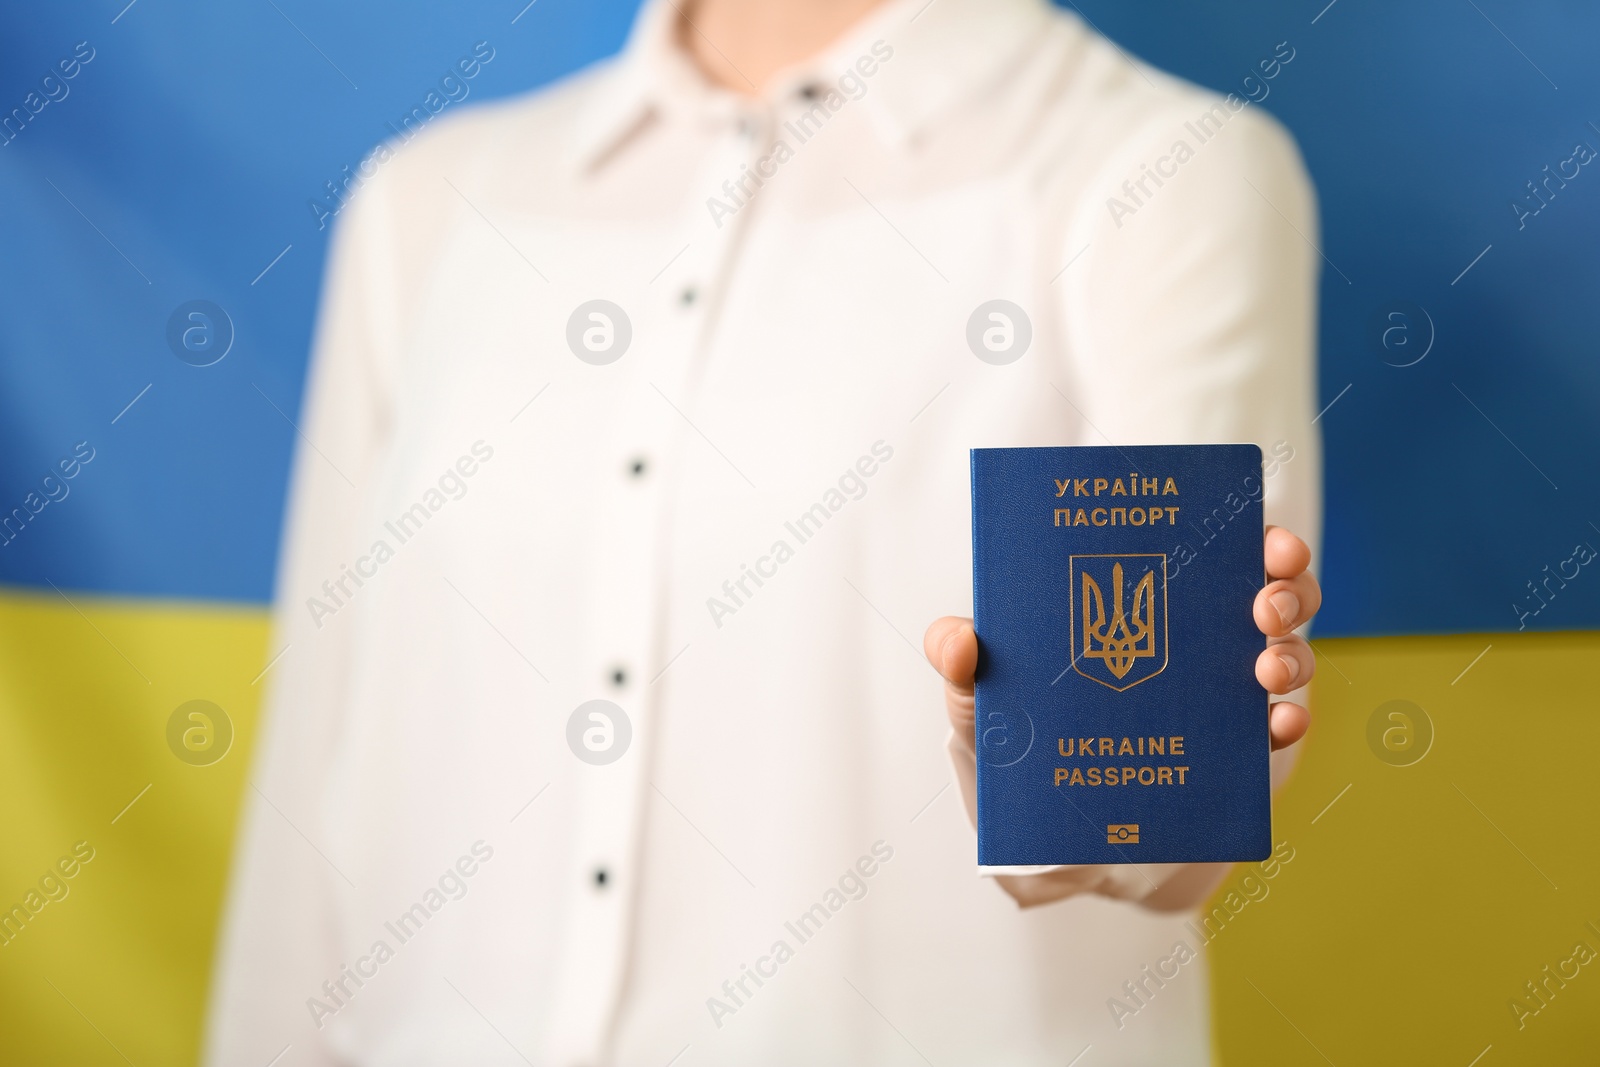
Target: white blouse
{"x": 638, "y": 392}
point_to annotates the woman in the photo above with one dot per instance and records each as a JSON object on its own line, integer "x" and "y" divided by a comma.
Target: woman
{"x": 641, "y": 410}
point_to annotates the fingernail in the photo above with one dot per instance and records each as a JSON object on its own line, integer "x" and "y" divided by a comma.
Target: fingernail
{"x": 1288, "y": 606}
{"x": 1291, "y": 665}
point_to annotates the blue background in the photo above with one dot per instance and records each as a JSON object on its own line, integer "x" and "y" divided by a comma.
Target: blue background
{"x": 195, "y": 139}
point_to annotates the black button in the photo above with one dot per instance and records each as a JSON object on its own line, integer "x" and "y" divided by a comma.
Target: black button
{"x": 689, "y": 296}
{"x": 810, "y": 92}
{"x": 619, "y": 677}
{"x": 600, "y": 877}
{"x": 637, "y": 467}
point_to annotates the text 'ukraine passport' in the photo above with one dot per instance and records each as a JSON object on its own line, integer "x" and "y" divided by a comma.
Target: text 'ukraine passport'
{"x": 1119, "y": 719}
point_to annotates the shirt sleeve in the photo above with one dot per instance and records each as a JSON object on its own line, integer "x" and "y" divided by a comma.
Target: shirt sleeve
{"x": 1189, "y": 317}
{"x": 277, "y": 945}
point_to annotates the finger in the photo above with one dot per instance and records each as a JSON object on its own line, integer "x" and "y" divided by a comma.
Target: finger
{"x": 1286, "y": 603}
{"x": 951, "y": 646}
{"x": 1287, "y": 723}
{"x": 1286, "y": 554}
{"x": 1285, "y": 665}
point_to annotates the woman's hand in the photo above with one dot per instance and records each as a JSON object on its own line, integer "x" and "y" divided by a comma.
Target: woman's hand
{"x": 1291, "y": 597}
{"x": 1289, "y": 600}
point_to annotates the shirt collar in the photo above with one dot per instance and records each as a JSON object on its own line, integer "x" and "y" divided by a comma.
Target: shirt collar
{"x": 943, "y": 52}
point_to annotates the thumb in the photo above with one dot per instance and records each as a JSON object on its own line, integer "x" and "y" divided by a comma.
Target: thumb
{"x": 951, "y": 646}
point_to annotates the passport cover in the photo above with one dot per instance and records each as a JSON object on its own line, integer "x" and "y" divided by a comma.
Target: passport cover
{"x": 1119, "y": 719}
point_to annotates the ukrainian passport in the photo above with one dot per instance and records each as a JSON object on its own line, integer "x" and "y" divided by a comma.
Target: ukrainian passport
{"x": 1119, "y": 719}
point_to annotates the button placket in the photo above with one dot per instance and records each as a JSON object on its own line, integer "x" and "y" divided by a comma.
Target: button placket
{"x": 616, "y": 642}
{"x": 624, "y": 632}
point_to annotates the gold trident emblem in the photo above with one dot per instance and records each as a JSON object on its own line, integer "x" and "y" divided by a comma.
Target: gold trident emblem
{"x": 1120, "y": 642}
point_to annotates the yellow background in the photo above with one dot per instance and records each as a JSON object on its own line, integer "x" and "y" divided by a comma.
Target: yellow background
{"x": 1398, "y": 934}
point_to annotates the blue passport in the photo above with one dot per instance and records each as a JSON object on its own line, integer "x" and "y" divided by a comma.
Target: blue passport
{"x": 1119, "y": 719}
